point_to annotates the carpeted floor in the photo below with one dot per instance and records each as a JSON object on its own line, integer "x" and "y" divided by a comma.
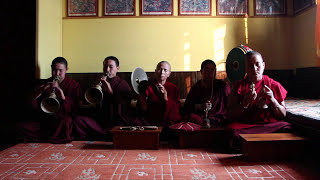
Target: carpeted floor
{"x": 97, "y": 160}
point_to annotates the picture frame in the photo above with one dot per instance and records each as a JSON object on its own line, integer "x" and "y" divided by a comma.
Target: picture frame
{"x": 232, "y": 7}
{"x": 194, "y": 7}
{"x": 156, "y": 8}
{"x": 119, "y": 7}
{"x": 78, "y": 8}
{"x": 302, "y": 5}
{"x": 270, "y": 7}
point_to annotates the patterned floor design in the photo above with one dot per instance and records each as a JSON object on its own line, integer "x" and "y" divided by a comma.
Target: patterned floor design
{"x": 305, "y": 108}
{"x": 97, "y": 160}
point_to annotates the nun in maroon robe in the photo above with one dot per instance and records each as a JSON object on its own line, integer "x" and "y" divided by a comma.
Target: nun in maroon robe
{"x": 207, "y": 91}
{"x": 256, "y": 103}
{"x": 56, "y": 127}
{"x": 161, "y": 101}
{"x": 114, "y": 110}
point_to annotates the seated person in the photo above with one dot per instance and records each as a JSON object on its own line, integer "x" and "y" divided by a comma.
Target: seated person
{"x": 112, "y": 111}
{"x": 57, "y": 127}
{"x": 256, "y": 104}
{"x": 207, "y": 93}
{"x": 161, "y": 100}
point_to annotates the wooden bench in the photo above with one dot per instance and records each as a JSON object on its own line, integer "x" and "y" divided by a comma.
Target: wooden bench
{"x": 273, "y": 146}
{"x": 202, "y": 138}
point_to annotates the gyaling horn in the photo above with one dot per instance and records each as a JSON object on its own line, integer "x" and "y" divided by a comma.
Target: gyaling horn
{"x": 51, "y": 104}
{"x": 94, "y": 95}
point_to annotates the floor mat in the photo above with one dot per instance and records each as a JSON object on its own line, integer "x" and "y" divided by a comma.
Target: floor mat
{"x": 97, "y": 160}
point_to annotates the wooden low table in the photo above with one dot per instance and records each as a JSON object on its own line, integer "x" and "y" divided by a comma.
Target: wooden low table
{"x": 273, "y": 146}
{"x": 137, "y": 139}
{"x": 201, "y": 138}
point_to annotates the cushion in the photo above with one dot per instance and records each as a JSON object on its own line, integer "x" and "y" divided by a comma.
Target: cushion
{"x": 185, "y": 126}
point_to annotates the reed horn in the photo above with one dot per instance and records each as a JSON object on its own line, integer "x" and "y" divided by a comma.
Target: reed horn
{"x": 51, "y": 104}
{"x": 94, "y": 95}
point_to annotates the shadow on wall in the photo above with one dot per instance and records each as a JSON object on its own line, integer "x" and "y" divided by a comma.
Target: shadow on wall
{"x": 302, "y": 84}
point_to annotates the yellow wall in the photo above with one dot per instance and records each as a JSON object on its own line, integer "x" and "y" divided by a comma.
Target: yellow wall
{"x": 183, "y": 41}
{"x": 49, "y": 35}
{"x": 304, "y": 51}
{"x": 272, "y": 37}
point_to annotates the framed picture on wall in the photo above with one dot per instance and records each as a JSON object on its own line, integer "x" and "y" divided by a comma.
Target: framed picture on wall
{"x": 301, "y": 5}
{"x": 156, "y": 7}
{"x": 78, "y": 8}
{"x": 270, "y": 7}
{"x": 119, "y": 7}
{"x": 195, "y": 7}
{"x": 232, "y": 7}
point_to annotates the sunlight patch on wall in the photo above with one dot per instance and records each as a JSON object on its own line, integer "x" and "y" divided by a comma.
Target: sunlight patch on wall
{"x": 219, "y": 35}
{"x": 186, "y": 46}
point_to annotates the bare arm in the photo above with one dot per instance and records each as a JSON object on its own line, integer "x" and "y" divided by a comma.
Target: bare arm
{"x": 38, "y": 91}
{"x": 163, "y": 91}
{"x": 106, "y": 85}
{"x": 279, "y": 109}
{"x": 236, "y": 106}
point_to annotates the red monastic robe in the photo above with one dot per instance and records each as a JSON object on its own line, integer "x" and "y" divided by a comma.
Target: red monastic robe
{"x": 57, "y": 128}
{"x": 161, "y": 112}
{"x": 199, "y": 95}
{"x": 256, "y": 120}
{"x": 114, "y": 111}
{"x": 254, "y": 115}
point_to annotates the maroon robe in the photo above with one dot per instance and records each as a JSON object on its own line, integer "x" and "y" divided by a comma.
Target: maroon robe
{"x": 113, "y": 111}
{"x": 56, "y": 128}
{"x": 256, "y": 120}
{"x": 199, "y": 95}
{"x": 160, "y": 112}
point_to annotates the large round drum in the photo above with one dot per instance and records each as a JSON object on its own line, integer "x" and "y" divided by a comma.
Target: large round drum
{"x": 235, "y": 64}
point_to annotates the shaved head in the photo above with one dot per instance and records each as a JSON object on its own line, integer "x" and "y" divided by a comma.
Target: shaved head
{"x": 164, "y": 62}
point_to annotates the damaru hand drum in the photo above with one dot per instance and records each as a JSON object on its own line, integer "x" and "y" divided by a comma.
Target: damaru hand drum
{"x": 235, "y": 64}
